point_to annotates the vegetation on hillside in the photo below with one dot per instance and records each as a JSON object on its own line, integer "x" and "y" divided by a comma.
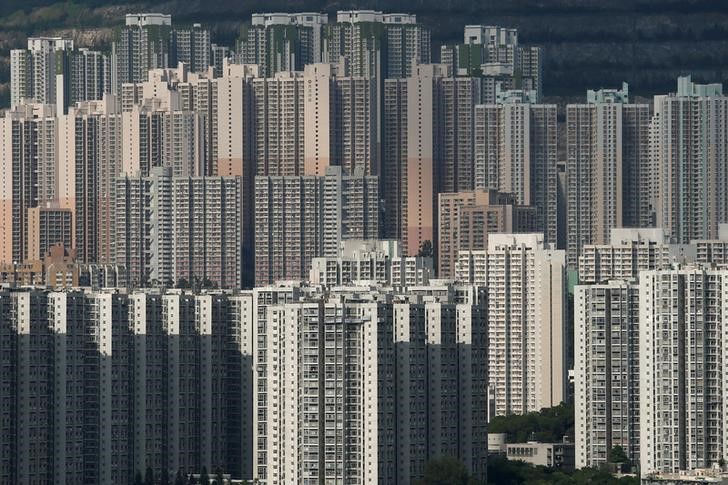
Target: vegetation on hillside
{"x": 509, "y": 472}
{"x": 588, "y": 44}
{"x": 501, "y": 471}
{"x": 548, "y": 425}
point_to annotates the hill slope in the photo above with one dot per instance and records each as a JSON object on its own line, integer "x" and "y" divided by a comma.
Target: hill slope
{"x": 588, "y": 43}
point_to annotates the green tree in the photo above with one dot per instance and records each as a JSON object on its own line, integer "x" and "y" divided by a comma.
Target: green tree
{"x": 219, "y": 480}
{"x": 447, "y": 470}
{"x": 206, "y": 283}
{"x": 502, "y": 471}
{"x": 426, "y": 250}
{"x": 179, "y": 479}
{"x": 617, "y": 455}
{"x": 183, "y": 283}
{"x": 547, "y": 426}
{"x": 618, "y": 459}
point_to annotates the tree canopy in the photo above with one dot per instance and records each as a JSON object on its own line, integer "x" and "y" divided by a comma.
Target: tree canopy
{"x": 549, "y": 425}
{"x": 426, "y": 249}
{"x": 506, "y": 472}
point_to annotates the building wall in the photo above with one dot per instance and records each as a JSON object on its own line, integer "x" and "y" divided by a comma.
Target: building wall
{"x": 607, "y": 371}
{"x": 387, "y": 402}
{"x": 527, "y": 321}
{"x": 515, "y": 152}
{"x": 682, "y": 386}
{"x": 109, "y": 384}
{"x": 301, "y": 218}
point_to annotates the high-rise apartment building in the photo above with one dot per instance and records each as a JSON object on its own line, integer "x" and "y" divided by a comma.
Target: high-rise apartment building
{"x": 515, "y": 152}
{"x": 494, "y": 52}
{"x": 629, "y": 251}
{"x": 142, "y": 44}
{"x": 301, "y": 218}
{"x": 231, "y": 134}
{"x": 457, "y": 98}
{"x": 375, "y": 44}
{"x": 608, "y": 168}
{"x": 688, "y": 146}
{"x": 192, "y": 46}
{"x": 527, "y": 323}
{"x": 280, "y": 42}
{"x": 682, "y": 386}
{"x": 155, "y": 136}
{"x": 713, "y": 251}
{"x": 471, "y": 267}
{"x": 607, "y": 371}
{"x": 394, "y": 157}
{"x": 33, "y": 71}
{"x": 89, "y": 160}
{"x": 47, "y": 227}
{"x": 466, "y": 219}
{"x": 219, "y": 55}
{"x": 108, "y": 385}
{"x": 28, "y": 174}
{"x": 51, "y": 71}
{"x": 89, "y": 78}
{"x": 420, "y": 168}
{"x": 376, "y": 262}
{"x": 340, "y": 115}
{"x": 321, "y": 416}
{"x": 279, "y": 140}
{"x": 212, "y": 238}
{"x": 427, "y": 139}
{"x": 181, "y": 230}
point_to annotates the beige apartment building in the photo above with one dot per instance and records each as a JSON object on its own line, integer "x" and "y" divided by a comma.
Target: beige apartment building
{"x": 46, "y": 228}
{"x": 527, "y": 321}
{"x": 28, "y": 172}
{"x": 515, "y": 152}
{"x": 466, "y": 219}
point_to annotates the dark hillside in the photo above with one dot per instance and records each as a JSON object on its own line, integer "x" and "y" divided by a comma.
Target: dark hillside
{"x": 588, "y": 43}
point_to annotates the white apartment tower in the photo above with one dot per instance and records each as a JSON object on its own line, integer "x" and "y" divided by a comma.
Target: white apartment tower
{"x": 608, "y": 168}
{"x": 189, "y": 230}
{"x": 281, "y": 42}
{"x": 629, "y": 251}
{"x": 192, "y": 46}
{"x": 301, "y": 218}
{"x": 385, "y": 46}
{"x": 607, "y": 371}
{"x": 89, "y": 160}
{"x": 106, "y": 385}
{"x": 682, "y": 378}
{"x": 526, "y": 282}
{"x": 142, "y": 44}
{"x": 688, "y": 146}
{"x": 33, "y": 70}
{"x": 515, "y": 152}
{"x": 338, "y": 371}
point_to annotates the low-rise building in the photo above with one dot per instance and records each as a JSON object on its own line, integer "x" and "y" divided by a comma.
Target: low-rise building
{"x": 552, "y": 455}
